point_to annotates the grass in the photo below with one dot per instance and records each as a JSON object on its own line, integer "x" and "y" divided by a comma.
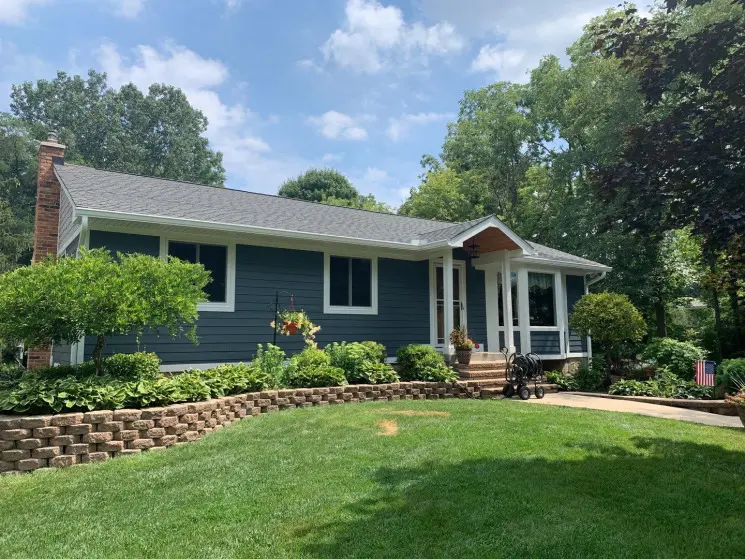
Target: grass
{"x": 479, "y": 479}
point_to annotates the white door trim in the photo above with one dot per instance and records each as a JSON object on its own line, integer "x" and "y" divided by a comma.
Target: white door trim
{"x": 433, "y": 265}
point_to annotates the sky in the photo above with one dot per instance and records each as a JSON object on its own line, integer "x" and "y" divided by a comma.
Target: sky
{"x": 363, "y": 86}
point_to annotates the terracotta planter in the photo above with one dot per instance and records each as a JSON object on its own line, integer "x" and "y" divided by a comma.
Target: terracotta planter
{"x": 291, "y": 327}
{"x": 741, "y": 413}
{"x": 463, "y": 355}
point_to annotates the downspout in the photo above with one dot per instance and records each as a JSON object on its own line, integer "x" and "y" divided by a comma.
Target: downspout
{"x": 601, "y": 277}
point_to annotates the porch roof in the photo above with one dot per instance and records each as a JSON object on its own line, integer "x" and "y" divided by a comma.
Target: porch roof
{"x": 114, "y": 195}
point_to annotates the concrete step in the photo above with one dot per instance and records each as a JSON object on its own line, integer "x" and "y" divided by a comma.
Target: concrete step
{"x": 481, "y": 373}
{"x": 495, "y": 393}
{"x": 477, "y": 365}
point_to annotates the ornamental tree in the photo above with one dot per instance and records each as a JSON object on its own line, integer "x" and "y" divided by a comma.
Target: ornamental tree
{"x": 610, "y": 319}
{"x": 98, "y": 295}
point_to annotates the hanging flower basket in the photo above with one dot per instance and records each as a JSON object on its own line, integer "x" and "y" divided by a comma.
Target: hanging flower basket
{"x": 292, "y": 322}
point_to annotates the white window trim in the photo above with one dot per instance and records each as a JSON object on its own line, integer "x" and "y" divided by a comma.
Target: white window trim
{"x": 330, "y": 309}
{"x": 229, "y": 304}
{"x": 434, "y": 264}
{"x": 557, "y": 318}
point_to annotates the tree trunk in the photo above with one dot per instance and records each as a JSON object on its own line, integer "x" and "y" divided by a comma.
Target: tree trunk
{"x": 98, "y": 354}
{"x": 659, "y": 311}
{"x": 736, "y": 317}
{"x": 717, "y": 308}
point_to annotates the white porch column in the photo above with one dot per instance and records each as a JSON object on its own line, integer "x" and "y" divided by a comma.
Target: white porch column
{"x": 523, "y": 307}
{"x": 509, "y": 328}
{"x": 561, "y": 304}
{"x": 447, "y": 284}
{"x": 492, "y": 307}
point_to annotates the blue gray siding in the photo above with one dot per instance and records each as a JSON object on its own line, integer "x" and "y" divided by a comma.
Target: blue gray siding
{"x": 403, "y": 306}
{"x": 545, "y": 343}
{"x": 66, "y": 223}
{"x": 61, "y": 354}
{"x": 476, "y": 304}
{"x": 516, "y": 336}
{"x": 575, "y": 291}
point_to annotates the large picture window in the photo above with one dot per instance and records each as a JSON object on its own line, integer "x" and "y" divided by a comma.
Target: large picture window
{"x": 214, "y": 258}
{"x": 542, "y": 299}
{"x": 350, "y": 285}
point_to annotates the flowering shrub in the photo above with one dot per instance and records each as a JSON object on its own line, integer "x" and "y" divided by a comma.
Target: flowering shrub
{"x": 292, "y": 321}
{"x": 459, "y": 338}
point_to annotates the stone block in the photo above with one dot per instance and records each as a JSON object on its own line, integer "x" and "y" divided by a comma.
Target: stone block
{"x": 80, "y": 429}
{"x": 169, "y": 421}
{"x": 156, "y": 432}
{"x": 141, "y": 425}
{"x": 189, "y": 436}
{"x": 46, "y": 432}
{"x": 80, "y": 448}
{"x": 7, "y": 445}
{"x": 177, "y": 409}
{"x": 63, "y": 461}
{"x": 46, "y": 452}
{"x": 15, "y": 455}
{"x": 31, "y": 464}
{"x": 30, "y": 444}
{"x": 110, "y": 426}
{"x": 67, "y": 419}
{"x": 6, "y": 466}
{"x": 178, "y": 429}
{"x": 15, "y": 434}
{"x": 36, "y": 421}
{"x": 111, "y": 446}
{"x": 129, "y": 452}
{"x": 127, "y": 415}
{"x": 101, "y": 416}
{"x": 96, "y": 438}
{"x": 127, "y": 435}
{"x": 154, "y": 413}
{"x": 95, "y": 457}
{"x": 64, "y": 440}
{"x": 11, "y": 423}
{"x": 168, "y": 440}
{"x": 189, "y": 418}
{"x": 141, "y": 444}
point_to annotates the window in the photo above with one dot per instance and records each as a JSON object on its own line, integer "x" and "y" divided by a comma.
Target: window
{"x": 459, "y": 307}
{"x": 214, "y": 258}
{"x": 542, "y": 299}
{"x": 513, "y": 276}
{"x": 350, "y": 285}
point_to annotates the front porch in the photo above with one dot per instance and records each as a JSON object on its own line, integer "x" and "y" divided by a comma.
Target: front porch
{"x": 537, "y": 300}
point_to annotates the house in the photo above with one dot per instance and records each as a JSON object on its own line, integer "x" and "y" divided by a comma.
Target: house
{"x": 360, "y": 275}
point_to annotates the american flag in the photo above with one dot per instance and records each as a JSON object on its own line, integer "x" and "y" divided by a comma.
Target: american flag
{"x": 705, "y": 372}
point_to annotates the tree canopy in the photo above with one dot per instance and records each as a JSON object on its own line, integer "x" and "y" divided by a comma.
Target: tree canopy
{"x": 329, "y": 186}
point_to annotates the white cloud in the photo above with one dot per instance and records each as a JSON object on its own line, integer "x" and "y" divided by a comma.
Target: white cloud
{"x": 518, "y": 34}
{"x": 128, "y": 9}
{"x": 375, "y": 36}
{"x": 15, "y": 12}
{"x": 336, "y": 125}
{"x": 399, "y": 127}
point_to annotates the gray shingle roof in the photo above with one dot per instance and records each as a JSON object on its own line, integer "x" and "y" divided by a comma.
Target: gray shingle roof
{"x": 93, "y": 189}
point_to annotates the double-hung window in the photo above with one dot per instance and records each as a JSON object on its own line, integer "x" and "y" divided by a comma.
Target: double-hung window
{"x": 216, "y": 260}
{"x": 350, "y": 285}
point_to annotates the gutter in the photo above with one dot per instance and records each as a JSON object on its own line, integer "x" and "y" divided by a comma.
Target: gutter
{"x": 601, "y": 277}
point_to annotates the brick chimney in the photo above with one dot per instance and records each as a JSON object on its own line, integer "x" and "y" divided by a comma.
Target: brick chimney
{"x": 46, "y": 226}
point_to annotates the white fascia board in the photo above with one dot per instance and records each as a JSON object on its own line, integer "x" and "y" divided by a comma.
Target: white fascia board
{"x": 217, "y": 226}
{"x": 562, "y": 264}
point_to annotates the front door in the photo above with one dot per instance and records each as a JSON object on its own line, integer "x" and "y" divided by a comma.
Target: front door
{"x": 459, "y": 301}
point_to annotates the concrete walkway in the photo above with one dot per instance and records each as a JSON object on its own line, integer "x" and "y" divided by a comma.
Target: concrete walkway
{"x": 653, "y": 410}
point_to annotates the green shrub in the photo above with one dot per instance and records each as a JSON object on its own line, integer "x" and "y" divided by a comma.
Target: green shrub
{"x": 610, "y": 319}
{"x": 665, "y": 384}
{"x": 564, "y": 382}
{"x": 351, "y": 357}
{"x": 272, "y": 361}
{"x": 323, "y": 375}
{"x": 437, "y": 373}
{"x": 311, "y": 358}
{"x": 378, "y": 373}
{"x": 592, "y": 375}
{"x": 679, "y": 357}
{"x": 131, "y": 366}
{"x": 377, "y": 351}
{"x": 413, "y": 360}
{"x": 235, "y": 379}
{"x": 731, "y": 375}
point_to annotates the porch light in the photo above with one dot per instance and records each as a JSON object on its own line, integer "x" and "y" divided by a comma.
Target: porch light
{"x": 473, "y": 250}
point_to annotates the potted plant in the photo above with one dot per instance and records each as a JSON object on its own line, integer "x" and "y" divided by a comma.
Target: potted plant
{"x": 463, "y": 345}
{"x": 739, "y": 401}
{"x": 290, "y": 322}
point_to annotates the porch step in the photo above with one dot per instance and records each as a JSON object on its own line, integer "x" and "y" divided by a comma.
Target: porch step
{"x": 470, "y": 374}
{"x": 495, "y": 393}
{"x": 474, "y": 365}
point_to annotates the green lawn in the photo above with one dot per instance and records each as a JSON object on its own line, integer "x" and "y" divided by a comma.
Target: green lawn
{"x": 485, "y": 479}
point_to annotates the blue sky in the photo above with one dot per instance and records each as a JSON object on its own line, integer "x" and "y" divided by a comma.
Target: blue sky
{"x": 364, "y": 86}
